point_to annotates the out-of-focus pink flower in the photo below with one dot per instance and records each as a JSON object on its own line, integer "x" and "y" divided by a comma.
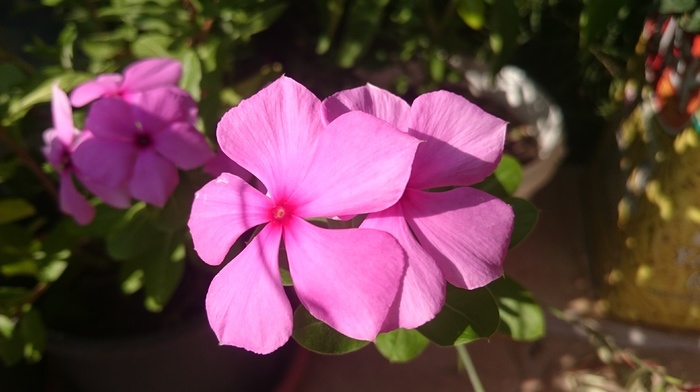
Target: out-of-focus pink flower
{"x": 138, "y": 148}
{"x": 58, "y": 149}
{"x": 221, "y": 163}
{"x": 459, "y": 236}
{"x": 347, "y": 278}
{"x": 140, "y": 76}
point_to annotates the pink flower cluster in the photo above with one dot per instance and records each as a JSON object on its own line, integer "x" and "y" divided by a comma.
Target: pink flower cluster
{"x": 360, "y": 151}
{"x": 139, "y": 131}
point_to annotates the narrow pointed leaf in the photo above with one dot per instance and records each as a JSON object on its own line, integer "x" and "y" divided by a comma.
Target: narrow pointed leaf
{"x": 526, "y": 215}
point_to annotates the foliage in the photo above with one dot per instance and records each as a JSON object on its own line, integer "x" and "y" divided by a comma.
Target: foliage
{"x": 229, "y": 50}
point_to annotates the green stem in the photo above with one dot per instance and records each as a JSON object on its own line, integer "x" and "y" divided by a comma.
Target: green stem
{"x": 469, "y": 367}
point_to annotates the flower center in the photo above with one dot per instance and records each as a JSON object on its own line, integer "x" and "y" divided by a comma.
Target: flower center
{"x": 280, "y": 213}
{"x": 143, "y": 140}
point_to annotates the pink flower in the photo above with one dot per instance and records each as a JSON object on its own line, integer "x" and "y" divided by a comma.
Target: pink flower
{"x": 459, "y": 236}
{"x": 137, "y": 148}
{"x": 347, "y": 278}
{"x": 59, "y": 142}
{"x": 140, "y": 76}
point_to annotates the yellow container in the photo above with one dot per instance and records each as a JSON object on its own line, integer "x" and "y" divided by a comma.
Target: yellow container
{"x": 645, "y": 231}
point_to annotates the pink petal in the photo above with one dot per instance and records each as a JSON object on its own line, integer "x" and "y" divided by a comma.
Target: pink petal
{"x": 54, "y": 149}
{"x": 422, "y": 293}
{"x": 369, "y": 99}
{"x": 463, "y": 143}
{"x": 222, "y": 211}
{"x": 183, "y": 145}
{"x": 272, "y": 134}
{"x": 161, "y": 106}
{"x": 117, "y": 197}
{"x": 223, "y": 164}
{"x": 154, "y": 178}
{"x": 105, "y": 162}
{"x": 246, "y": 303}
{"x": 150, "y": 73}
{"x": 103, "y": 86}
{"x": 62, "y": 115}
{"x": 465, "y": 230}
{"x": 345, "y": 278}
{"x": 112, "y": 118}
{"x": 361, "y": 165}
{"x": 73, "y": 202}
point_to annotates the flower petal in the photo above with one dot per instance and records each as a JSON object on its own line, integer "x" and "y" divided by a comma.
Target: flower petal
{"x": 361, "y": 164}
{"x": 246, "y": 303}
{"x": 154, "y": 178}
{"x": 369, "y": 99}
{"x": 465, "y": 230}
{"x": 463, "y": 143}
{"x": 103, "y": 86}
{"x": 73, "y": 202}
{"x": 117, "y": 197}
{"x": 112, "y": 118}
{"x": 422, "y": 293}
{"x": 62, "y": 115}
{"x": 161, "y": 106}
{"x": 103, "y": 161}
{"x": 221, "y": 163}
{"x": 183, "y": 145}
{"x": 150, "y": 73}
{"x": 273, "y": 133}
{"x": 221, "y": 212}
{"x": 346, "y": 278}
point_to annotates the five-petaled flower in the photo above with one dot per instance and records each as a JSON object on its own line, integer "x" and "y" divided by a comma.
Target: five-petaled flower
{"x": 459, "y": 235}
{"x": 347, "y": 278}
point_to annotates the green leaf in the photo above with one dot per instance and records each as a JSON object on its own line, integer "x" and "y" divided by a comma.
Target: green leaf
{"x": 33, "y": 334}
{"x": 691, "y": 22}
{"x": 134, "y": 235}
{"x": 472, "y": 12}
{"x": 363, "y": 18}
{"x": 51, "y": 270}
{"x": 11, "y": 347}
{"x": 331, "y": 12}
{"x": 152, "y": 45}
{"x": 595, "y": 18}
{"x": 319, "y": 337}
{"x": 505, "y": 29}
{"x": 509, "y": 173}
{"x": 467, "y": 315}
{"x": 191, "y": 74}
{"x": 521, "y": 317}
{"x": 12, "y": 210}
{"x": 401, "y": 345}
{"x": 677, "y": 6}
{"x": 162, "y": 272}
{"x": 526, "y": 216}
{"x": 12, "y": 299}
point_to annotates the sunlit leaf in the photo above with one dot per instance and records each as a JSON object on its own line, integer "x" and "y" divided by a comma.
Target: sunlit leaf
{"x": 472, "y": 12}
{"x": 191, "y": 74}
{"x": 401, "y": 345}
{"x": 521, "y": 317}
{"x": 15, "y": 209}
{"x": 317, "y": 336}
{"x": 677, "y": 6}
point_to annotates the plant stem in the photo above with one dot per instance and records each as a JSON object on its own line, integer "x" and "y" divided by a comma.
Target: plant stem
{"x": 469, "y": 367}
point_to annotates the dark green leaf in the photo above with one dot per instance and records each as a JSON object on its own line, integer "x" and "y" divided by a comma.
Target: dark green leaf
{"x": 677, "y": 6}
{"x": 12, "y": 299}
{"x": 331, "y": 12}
{"x": 401, "y": 345}
{"x": 11, "y": 347}
{"x": 595, "y": 18}
{"x": 319, "y": 337}
{"x": 162, "y": 271}
{"x": 134, "y": 235}
{"x": 505, "y": 29}
{"x": 361, "y": 25}
{"x": 526, "y": 216}
{"x": 33, "y": 334}
{"x": 15, "y": 209}
{"x": 521, "y": 317}
{"x": 467, "y": 315}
